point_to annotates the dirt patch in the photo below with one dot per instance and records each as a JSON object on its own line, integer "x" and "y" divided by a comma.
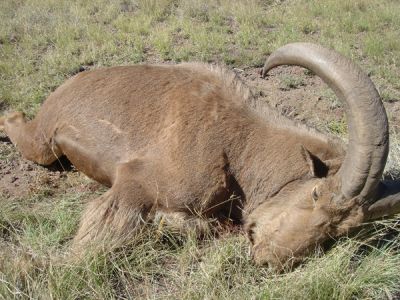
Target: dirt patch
{"x": 298, "y": 94}
{"x": 20, "y": 178}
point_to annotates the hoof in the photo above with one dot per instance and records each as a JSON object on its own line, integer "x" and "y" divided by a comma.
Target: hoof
{"x": 15, "y": 117}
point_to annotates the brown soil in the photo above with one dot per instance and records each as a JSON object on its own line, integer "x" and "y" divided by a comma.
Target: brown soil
{"x": 310, "y": 102}
{"x": 20, "y": 178}
{"x": 303, "y": 102}
{"x": 306, "y": 101}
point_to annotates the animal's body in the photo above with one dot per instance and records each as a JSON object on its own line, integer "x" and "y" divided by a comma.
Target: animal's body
{"x": 184, "y": 142}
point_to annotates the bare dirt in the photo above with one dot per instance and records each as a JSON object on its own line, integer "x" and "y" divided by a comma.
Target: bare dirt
{"x": 293, "y": 91}
{"x": 20, "y": 178}
{"x": 309, "y": 100}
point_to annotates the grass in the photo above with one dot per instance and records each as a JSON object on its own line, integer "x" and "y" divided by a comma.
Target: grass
{"x": 43, "y": 42}
{"x": 337, "y": 127}
{"x": 291, "y": 82}
{"x": 35, "y": 263}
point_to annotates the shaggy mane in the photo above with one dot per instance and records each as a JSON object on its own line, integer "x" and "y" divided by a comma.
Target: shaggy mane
{"x": 243, "y": 95}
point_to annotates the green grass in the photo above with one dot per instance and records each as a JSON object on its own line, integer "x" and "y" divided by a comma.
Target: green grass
{"x": 338, "y": 127}
{"x": 289, "y": 82}
{"x": 43, "y": 42}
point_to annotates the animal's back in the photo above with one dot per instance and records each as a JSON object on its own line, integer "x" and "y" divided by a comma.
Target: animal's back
{"x": 124, "y": 113}
{"x": 117, "y": 101}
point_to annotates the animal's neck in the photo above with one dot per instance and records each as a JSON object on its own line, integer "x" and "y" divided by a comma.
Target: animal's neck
{"x": 267, "y": 159}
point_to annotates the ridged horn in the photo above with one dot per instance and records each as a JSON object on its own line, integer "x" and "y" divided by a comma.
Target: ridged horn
{"x": 366, "y": 117}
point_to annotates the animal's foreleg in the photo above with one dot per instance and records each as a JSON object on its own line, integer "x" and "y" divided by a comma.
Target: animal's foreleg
{"x": 109, "y": 218}
{"x": 182, "y": 222}
{"x": 117, "y": 215}
{"x": 25, "y": 136}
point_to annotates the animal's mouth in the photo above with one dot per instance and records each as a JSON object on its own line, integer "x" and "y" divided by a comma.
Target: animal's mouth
{"x": 277, "y": 263}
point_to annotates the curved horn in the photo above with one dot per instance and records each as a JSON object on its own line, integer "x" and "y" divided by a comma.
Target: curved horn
{"x": 366, "y": 117}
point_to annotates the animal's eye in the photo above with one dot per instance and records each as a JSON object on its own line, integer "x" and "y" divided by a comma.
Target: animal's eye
{"x": 314, "y": 194}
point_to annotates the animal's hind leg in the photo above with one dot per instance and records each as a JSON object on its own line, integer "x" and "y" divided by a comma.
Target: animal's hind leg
{"x": 117, "y": 214}
{"x": 25, "y": 136}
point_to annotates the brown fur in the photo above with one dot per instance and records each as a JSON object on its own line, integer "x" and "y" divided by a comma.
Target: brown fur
{"x": 185, "y": 140}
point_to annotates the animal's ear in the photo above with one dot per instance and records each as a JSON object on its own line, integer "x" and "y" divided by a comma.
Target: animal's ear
{"x": 317, "y": 167}
{"x": 333, "y": 165}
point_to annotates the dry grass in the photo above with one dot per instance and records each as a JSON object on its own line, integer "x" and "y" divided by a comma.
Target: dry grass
{"x": 35, "y": 263}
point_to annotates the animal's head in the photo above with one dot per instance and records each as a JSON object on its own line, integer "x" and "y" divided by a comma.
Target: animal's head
{"x": 305, "y": 213}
